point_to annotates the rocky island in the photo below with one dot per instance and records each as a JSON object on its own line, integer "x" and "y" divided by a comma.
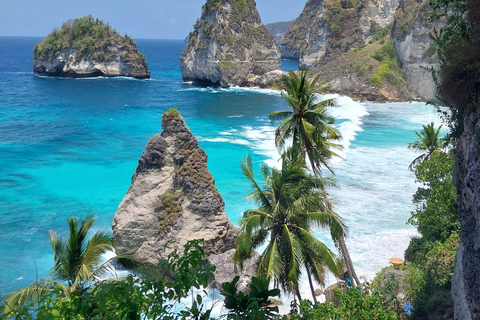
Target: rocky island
{"x": 88, "y": 47}
{"x": 173, "y": 198}
{"x": 229, "y": 46}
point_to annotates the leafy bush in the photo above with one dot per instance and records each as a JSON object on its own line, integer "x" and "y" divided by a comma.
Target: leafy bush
{"x": 255, "y": 304}
{"x": 353, "y": 305}
{"x": 157, "y": 296}
{"x": 171, "y": 113}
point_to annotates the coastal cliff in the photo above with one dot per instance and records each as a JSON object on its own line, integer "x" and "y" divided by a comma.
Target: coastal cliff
{"x": 87, "y": 47}
{"x": 173, "y": 197}
{"x": 415, "y": 48}
{"x": 350, "y": 43}
{"x": 278, "y": 30}
{"x": 229, "y": 46}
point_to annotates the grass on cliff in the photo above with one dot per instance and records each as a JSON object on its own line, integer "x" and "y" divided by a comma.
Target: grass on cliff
{"x": 375, "y": 63}
{"x": 171, "y": 113}
{"x": 90, "y": 37}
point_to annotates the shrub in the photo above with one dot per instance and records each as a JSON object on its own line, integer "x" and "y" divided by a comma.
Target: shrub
{"x": 171, "y": 113}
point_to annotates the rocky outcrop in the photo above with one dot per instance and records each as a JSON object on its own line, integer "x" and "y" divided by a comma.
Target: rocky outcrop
{"x": 87, "y": 47}
{"x": 278, "y": 30}
{"x": 173, "y": 197}
{"x": 327, "y": 32}
{"x": 228, "y": 45}
{"x": 307, "y": 37}
{"x": 415, "y": 48}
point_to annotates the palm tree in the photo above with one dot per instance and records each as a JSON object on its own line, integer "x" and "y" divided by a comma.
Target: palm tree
{"x": 290, "y": 203}
{"x": 308, "y": 123}
{"x": 76, "y": 262}
{"x": 429, "y": 142}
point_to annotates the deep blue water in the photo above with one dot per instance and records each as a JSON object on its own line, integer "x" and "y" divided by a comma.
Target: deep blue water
{"x": 68, "y": 147}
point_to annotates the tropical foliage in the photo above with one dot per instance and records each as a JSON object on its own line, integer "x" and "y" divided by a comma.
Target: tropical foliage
{"x": 77, "y": 262}
{"x": 436, "y": 218}
{"x": 436, "y": 214}
{"x": 428, "y": 142}
{"x": 308, "y": 123}
{"x": 308, "y": 126}
{"x": 155, "y": 295}
{"x": 353, "y": 305}
{"x": 289, "y": 204}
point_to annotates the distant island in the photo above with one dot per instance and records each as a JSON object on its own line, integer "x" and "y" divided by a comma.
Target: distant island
{"x": 88, "y": 47}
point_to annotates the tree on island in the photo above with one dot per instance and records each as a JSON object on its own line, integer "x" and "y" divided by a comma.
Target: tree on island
{"x": 290, "y": 203}
{"x": 308, "y": 125}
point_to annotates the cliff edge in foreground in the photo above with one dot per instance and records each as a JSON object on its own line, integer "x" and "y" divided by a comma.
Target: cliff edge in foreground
{"x": 173, "y": 197}
{"x": 229, "y": 46}
{"x": 87, "y": 47}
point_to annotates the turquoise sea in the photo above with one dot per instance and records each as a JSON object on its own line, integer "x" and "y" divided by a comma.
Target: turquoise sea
{"x": 68, "y": 147}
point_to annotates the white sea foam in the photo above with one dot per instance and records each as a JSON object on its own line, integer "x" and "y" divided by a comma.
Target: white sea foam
{"x": 233, "y": 141}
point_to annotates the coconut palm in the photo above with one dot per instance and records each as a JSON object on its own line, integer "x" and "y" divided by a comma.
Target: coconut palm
{"x": 76, "y": 263}
{"x": 308, "y": 123}
{"x": 290, "y": 203}
{"x": 429, "y": 142}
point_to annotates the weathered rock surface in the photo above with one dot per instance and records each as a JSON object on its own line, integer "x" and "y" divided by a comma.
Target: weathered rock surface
{"x": 466, "y": 177}
{"x": 307, "y": 37}
{"x": 87, "y": 47}
{"x": 327, "y": 32}
{"x": 415, "y": 48}
{"x": 229, "y": 45}
{"x": 278, "y": 30}
{"x": 173, "y": 197}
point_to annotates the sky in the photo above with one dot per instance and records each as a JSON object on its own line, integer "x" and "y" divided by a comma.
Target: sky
{"x": 141, "y": 19}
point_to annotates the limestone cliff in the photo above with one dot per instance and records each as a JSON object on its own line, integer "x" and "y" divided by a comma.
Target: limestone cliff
{"x": 173, "y": 197}
{"x": 415, "y": 48}
{"x": 341, "y": 39}
{"x": 229, "y": 45}
{"x": 308, "y": 35}
{"x": 278, "y": 30}
{"x": 87, "y": 47}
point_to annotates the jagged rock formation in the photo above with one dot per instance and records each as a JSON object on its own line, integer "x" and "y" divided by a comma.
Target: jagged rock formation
{"x": 229, "y": 45}
{"x": 278, "y": 30}
{"x": 416, "y": 50}
{"x": 173, "y": 197}
{"x": 307, "y": 37}
{"x": 87, "y": 47}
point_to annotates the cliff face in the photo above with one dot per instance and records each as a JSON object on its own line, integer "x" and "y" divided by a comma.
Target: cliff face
{"x": 415, "y": 48}
{"x": 173, "y": 197}
{"x": 278, "y": 30}
{"x": 309, "y": 29}
{"x": 229, "y": 45}
{"x": 466, "y": 177}
{"x": 87, "y": 47}
{"x": 340, "y": 39}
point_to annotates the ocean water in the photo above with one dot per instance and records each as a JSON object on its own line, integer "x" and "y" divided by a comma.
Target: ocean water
{"x": 68, "y": 147}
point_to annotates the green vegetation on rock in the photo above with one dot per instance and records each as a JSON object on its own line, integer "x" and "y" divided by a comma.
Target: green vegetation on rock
{"x": 169, "y": 209}
{"x": 90, "y": 38}
{"x": 171, "y": 113}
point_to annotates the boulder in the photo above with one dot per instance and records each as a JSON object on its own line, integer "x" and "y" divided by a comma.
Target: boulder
{"x": 173, "y": 197}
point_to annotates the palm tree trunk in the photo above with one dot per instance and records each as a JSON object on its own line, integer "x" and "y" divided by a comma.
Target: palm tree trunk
{"x": 297, "y": 291}
{"x": 348, "y": 261}
{"x": 311, "y": 285}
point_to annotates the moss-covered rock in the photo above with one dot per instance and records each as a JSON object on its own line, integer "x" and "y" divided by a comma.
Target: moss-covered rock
{"x": 87, "y": 47}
